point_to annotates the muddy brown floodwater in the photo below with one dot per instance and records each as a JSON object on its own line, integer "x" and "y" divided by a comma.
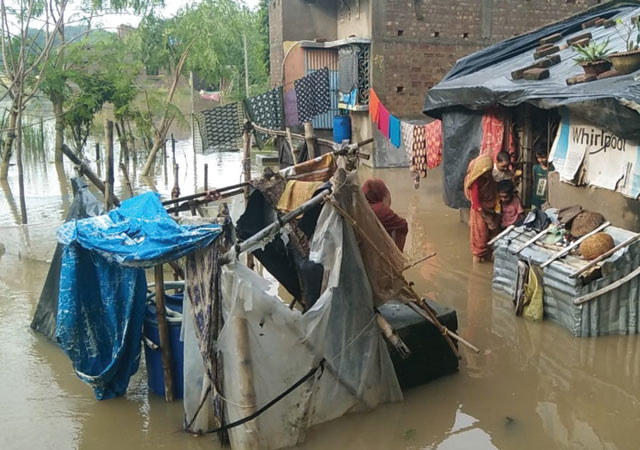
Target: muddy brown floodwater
{"x": 533, "y": 386}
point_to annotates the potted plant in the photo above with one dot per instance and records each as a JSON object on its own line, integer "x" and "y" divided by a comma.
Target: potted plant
{"x": 593, "y": 57}
{"x": 629, "y": 60}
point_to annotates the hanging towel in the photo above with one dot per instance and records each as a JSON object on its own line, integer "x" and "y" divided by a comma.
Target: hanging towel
{"x": 374, "y": 105}
{"x": 347, "y": 69}
{"x": 266, "y": 109}
{"x": 220, "y": 128}
{"x": 407, "y": 138}
{"x": 383, "y": 120}
{"x": 433, "y": 133}
{"x": 395, "y": 135}
{"x": 312, "y": 95}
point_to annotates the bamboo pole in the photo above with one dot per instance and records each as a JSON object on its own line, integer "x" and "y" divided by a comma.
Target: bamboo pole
{"x": 203, "y": 194}
{"x": 123, "y": 168}
{"x": 533, "y": 239}
{"x": 605, "y": 255}
{"x": 391, "y": 336}
{"x": 573, "y": 245}
{"x": 246, "y": 165}
{"x": 606, "y": 289}
{"x": 108, "y": 136}
{"x": 84, "y": 167}
{"x": 163, "y": 332}
{"x": 310, "y": 138}
{"x": 23, "y": 203}
{"x": 206, "y": 177}
{"x": 418, "y": 261}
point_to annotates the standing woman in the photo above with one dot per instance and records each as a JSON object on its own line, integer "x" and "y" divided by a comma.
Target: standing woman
{"x": 379, "y": 198}
{"x": 480, "y": 189}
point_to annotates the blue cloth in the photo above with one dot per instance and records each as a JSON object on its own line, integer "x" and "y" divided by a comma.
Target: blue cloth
{"x": 103, "y": 286}
{"x": 394, "y": 131}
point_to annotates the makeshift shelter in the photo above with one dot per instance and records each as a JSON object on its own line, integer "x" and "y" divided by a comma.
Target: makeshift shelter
{"x": 491, "y": 81}
{"x": 84, "y": 205}
{"x": 592, "y": 304}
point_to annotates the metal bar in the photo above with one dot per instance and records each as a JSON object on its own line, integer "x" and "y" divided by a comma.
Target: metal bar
{"x": 201, "y": 194}
{"x": 605, "y": 255}
{"x": 504, "y": 233}
{"x": 573, "y": 245}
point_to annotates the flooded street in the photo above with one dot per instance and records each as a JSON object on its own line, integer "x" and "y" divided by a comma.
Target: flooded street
{"x": 532, "y": 386}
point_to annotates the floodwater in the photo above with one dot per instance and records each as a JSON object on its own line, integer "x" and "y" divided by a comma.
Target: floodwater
{"x": 533, "y": 385}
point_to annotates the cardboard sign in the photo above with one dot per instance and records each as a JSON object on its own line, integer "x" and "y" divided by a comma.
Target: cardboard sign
{"x": 609, "y": 161}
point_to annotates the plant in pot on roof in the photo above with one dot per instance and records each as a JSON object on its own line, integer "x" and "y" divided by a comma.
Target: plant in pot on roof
{"x": 629, "y": 60}
{"x": 593, "y": 57}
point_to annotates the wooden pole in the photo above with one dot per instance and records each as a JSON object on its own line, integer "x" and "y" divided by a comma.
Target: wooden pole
{"x": 173, "y": 149}
{"x": 108, "y": 136}
{"x": 97, "y": 151}
{"x": 84, "y": 167}
{"x": 175, "y": 192}
{"x": 246, "y": 164}
{"x": 291, "y": 147}
{"x": 163, "y": 331}
{"x": 123, "y": 168}
{"x": 164, "y": 160}
{"x": 310, "y": 138}
{"x": 606, "y": 289}
{"x": 23, "y": 203}
{"x": 533, "y": 239}
{"x": 573, "y": 245}
{"x": 206, "y": 177}
{"x": 605, "y": 255}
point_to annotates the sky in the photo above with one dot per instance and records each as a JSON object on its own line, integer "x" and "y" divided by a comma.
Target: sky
{"x": 112, "y": 21}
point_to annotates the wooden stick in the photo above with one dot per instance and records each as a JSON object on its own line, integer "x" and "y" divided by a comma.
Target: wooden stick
{"x": 175, "y": 192}
{"x": 605, "y": 255}
{"x": 291, "y": 148}
{"x": 206, "y": 177}
{"x": 197, "y": 203}
{"x": 504, "y": 233}
{"x": 458, "y": 338}
{"x": 392, "y": 337}
{"x": 310, "y": 138}
{"x": 247, "y": 177}
{"x": 573, "y": 245}
{"x": 163, "y": 332}
{"x": 324, "y": 142}
{"x": 433, "y": 319}
{"x": 604, "y": 290}
{"x": 123, "y": 168}
{"x": 532, "y": 240}
{"x": 418, "y": 261}
{"x": 108, "y": 194}
{"x": 202, "y": 194}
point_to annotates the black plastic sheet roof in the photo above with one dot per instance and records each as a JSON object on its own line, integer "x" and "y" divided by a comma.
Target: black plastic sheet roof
{"x": 483, "y": 79}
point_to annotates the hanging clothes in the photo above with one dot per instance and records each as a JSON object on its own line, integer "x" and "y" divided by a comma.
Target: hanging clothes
{"x": 420, "y": 149}
{"x": 312, "y": 95}
{"x": 493, "y": 130}
{"x": 348, "y": 69}
{"x": 383, "y": 121}
{"x": 395, "y": 134}
{"x": 221, "y": 127}
{"x": 266, "y": 109}
{"x": 318, "y": 169}
{"x": 296, "y": 193}
{"x": 407, "y": 138}
{"x": 291, "y": 118}
{"x": 433, "y": 136}
{"x": 374, "y": 106}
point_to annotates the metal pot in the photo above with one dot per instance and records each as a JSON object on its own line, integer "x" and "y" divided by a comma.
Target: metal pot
{"x": 626, "y": 62}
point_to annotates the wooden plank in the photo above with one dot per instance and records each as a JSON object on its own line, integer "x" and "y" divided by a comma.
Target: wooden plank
{"x": 532, "y": 240}
{"x": 504, "y": 232}
{"x": 606, "y": 289}
{"x": 573, "y": 245}
{"x": 163, "y": 332}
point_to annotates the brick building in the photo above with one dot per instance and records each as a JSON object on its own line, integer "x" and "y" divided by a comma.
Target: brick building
{"x": 412, "y": 43}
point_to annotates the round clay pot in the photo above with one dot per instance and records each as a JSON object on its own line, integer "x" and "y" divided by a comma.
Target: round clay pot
{"x": 596, "y": 67}
{"x": 626, "y": 62}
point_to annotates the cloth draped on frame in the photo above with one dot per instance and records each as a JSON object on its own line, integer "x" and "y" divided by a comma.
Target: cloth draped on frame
{"x": 483, "y": 190}
{"x": 296, "y": 193}
{"x": 221, "y": 127}
{"x": 348, "y": 69}
{"x": 291, "y": 109}
{"x": 395, "y": 134}
{"x": 321, "y": 168}
{"x": 313, "y": 95}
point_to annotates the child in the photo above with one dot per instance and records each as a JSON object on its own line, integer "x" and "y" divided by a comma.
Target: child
{"x": 512, "y": 212}
{"x": 540, "y": 172}
{"x": 501, "y": 170}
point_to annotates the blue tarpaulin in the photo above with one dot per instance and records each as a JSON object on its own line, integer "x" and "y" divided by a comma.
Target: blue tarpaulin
{"x": 103, "y": 285}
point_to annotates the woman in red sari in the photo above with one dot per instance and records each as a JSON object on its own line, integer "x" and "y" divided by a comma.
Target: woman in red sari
{"x": 379, "y": 199}
{"x": 480, "y": 189}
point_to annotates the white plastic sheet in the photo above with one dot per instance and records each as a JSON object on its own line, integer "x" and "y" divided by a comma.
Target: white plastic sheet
{"x": 283, "y": 345}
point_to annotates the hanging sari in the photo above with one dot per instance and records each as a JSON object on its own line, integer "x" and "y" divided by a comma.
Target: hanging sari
{"x": 480, "y": 189}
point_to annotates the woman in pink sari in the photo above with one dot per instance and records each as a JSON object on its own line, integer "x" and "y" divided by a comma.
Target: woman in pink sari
{"x": 480, "y": 189}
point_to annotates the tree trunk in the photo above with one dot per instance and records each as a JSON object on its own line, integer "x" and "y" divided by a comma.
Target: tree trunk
{"x": 151, "y": 159}
{"x": 8, "y": 143}
{"x": 23, "y": 203}
{"x": 58, "y": 111}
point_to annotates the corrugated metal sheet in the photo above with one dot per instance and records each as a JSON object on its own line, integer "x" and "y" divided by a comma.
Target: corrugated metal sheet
{"x": 319, "y": 59}
{"x": 616, "y": 312}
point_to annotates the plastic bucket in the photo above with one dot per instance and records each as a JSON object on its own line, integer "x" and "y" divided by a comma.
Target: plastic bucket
{"x": 341, "y": 128}
{"x": 152, "y": 352}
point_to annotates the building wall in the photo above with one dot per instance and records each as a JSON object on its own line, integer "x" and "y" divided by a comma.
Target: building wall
{"x": 354, "y": 19}
{"x": 416, "y": 42}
